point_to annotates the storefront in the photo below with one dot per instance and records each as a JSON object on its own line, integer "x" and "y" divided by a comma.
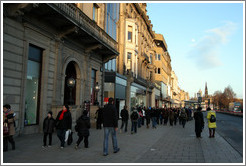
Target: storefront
{"x": 138, "y": 95}
{"x": 115, "y": 86}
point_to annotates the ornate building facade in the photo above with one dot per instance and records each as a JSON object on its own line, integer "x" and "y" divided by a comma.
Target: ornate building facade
{"x": 54, "y": 54}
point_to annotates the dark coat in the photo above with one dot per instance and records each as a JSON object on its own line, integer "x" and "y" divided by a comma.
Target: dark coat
{"x": 48, "y": 125}
{"x": 124, "y": 115}
{"x": 199, "y": 121}
{"x": 65, "y": 123}
{"x": 99, "y": 115}
{"x": 110, "y": 116}
{"x": 83, "y": 125}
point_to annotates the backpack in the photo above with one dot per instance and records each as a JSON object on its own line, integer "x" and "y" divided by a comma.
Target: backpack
{"x": 212, "y": 118}
{"x": 134, "y": 116}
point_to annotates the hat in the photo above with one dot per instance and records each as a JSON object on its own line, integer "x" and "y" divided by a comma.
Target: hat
{"x": 50, "y": 112}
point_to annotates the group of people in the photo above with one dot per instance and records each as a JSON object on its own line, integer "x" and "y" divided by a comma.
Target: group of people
{"x": 109, "y": 118}
{"x": 140, "y": 115}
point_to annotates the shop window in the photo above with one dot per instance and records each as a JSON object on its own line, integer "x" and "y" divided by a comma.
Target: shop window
{"x": 93, "y": 84}
{"x": 32, "y": 92}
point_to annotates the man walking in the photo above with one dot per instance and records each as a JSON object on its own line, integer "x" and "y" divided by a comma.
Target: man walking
{"x": 110, "y": 124}
{"x": 125, "y": 116}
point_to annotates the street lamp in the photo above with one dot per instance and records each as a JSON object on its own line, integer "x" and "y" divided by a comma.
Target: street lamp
{"x": 71, "y": 84}
{"x": 96, "y": 89}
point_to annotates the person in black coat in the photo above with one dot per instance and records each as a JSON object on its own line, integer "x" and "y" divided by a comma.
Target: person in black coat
{"x": 48, "y": 129}
{"x": 82, "y": 127}
{"x": 199, "y": 122}
{"x": 63, "y": 123}
{"x": 125, "y": 116}
{"x": 99, "y": 117}
{"x": 110, "y": 125}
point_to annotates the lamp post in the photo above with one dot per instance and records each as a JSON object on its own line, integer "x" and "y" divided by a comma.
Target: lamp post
{"x": 96, "y": 89}
{"x": 71, "y": 84}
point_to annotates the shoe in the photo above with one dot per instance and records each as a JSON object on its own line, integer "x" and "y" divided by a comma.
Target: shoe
{"x": 76, "y": 147}
{"x": 62, "y": 147}
{"x": 86, "y": 147}
{"x": 105, "y": 154}
{"x": 117, "y": 150}
{"x": 44, "y": 146}
{"x": 49, "y": 146}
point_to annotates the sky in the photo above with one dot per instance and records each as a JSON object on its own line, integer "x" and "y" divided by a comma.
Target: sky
{"x": 205, "y": 43}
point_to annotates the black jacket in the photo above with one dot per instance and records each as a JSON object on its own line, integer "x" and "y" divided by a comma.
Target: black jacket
{"x": 110, "y": 116}
{"x": 83, "y": 125}
{"x": 199, "y": 121}
{"x": 124, "y": 115}
{"x": 48, "y": 125}
{"x": 66, "y": 122}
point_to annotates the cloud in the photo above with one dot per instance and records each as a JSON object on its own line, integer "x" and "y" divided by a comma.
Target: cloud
{"x": 193, "y": 40}
{"x": 206, "y": 51}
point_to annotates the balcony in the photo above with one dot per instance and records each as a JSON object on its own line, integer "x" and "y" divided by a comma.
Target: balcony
{"x": 66, "y": 22}
{"x": 96, "y": 35}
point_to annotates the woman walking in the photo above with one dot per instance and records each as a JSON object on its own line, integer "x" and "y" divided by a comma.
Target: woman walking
{"x": 63, "y": 123}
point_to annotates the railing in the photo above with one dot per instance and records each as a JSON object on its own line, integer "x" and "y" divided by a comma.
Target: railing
{"x": 73, "y": 13}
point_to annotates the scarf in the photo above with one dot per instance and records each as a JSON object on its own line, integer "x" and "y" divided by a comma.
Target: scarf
{"x": 62, "y": 114}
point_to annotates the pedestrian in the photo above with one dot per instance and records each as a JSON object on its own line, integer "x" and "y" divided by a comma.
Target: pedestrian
{"x": 171, "y": 117}
{"x": 140, "y": 117}
{"x": 48, "y": 129}
{"x": 9, "y": 119}
{"x": 125, "y": 116}
{"x": 166, "y": 115}
{"x": 199, "y": 122}
{"x": 153, "y": 115}
{"x": 63, "y": 123}
{"x": 134, "y": 120}
{"x": 183, "y": 117}
{"x": 211, "y": 116}
{"x": 82, "y": 127}
{"x": 98, "y": 117}
{"x": 144, "y": 116}
{"x": 110, "y": 124}
{"x": 147, "y": 113}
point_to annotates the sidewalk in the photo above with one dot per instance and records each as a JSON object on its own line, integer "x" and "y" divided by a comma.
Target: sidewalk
{"x": 165, "y": 144}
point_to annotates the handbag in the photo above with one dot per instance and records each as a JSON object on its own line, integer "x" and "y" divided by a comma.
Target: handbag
{"x": 5, "y": 129}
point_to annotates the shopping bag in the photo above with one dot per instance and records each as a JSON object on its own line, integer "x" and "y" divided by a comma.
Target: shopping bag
{"x": 67, "y": 134}
{"x": 5, "y": 129}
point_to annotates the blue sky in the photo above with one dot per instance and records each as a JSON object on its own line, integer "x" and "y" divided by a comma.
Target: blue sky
{"x": 205, "y": 42}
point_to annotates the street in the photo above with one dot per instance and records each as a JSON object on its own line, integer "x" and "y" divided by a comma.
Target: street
{"x": 231, "y": 129}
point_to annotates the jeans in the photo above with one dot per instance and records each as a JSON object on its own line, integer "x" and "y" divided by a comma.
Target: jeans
{"x": 7, "y": 139}
{"x": 153, "y": 122}
{"x": 61, "y": 135}
{"x": 108, "y": 130}
{"x": 134, "y": 126}
{"x": 124, "y": 122}
{"x": 139, "y": 122}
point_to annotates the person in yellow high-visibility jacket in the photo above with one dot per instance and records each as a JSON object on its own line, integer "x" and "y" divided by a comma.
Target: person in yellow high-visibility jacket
{"x": 211, "y": 125}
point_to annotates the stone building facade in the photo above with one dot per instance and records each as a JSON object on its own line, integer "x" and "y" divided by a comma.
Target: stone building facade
{"x": 46, "y": 44}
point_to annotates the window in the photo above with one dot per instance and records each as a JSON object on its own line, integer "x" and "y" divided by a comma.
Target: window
{"x": 150, "y": 58}
{"x": 112, "y": 18}
{"x": 129, "y": 38}
{"x": 111, "y": 65}
{"x": 129, "y": 56}
{"x": 158, "y": 57}
{"x": 32, "y": 99}
{"x": 158, "y": 71}
{"x": 93, "y": 83}
{"x": 95, "y": 12}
